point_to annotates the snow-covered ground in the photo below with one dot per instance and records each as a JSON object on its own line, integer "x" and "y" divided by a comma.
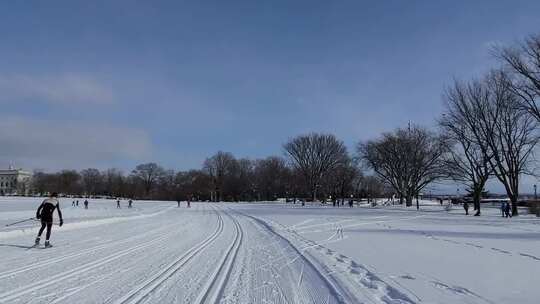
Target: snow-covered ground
{"x": 268, "y": 253}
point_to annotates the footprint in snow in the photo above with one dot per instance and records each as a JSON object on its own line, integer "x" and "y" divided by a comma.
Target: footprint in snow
{"x": 354, "y": 271}
{"x": 474, "y": 245}
{"x": 500, "y": 250}
{"x": 407, "y": 277}
{"x": 529, "y": 256}
{"x": 456, "y": 289}
{"x": 451, "y": 241}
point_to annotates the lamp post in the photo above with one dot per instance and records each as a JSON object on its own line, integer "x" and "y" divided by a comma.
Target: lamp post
{"x": 536, "y": 202}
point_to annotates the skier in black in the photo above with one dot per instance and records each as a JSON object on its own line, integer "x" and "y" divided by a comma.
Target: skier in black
{"x": 129, "y": 203}
{"x": 466, "y": 207}
{"x": 85, "y": 204}
{"x": 507, "y": 208}
{"x": 118, "y": 203}
{"x": 45, "y": 214}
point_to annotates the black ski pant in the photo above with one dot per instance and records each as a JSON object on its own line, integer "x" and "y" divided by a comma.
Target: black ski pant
{"x": 49, "y": 226}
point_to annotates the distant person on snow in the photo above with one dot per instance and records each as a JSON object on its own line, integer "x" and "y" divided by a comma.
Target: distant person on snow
{"x": 73, "y": 204}
{"x": 466, "y": 207}
{"x": 507, "y": 210}
{"x": 77, "y": 203}
{"x": 85, "y": 204}
{"x": 129, "y": 203}
{"x": 178, "y": 202}
{"x": 45, "y": 214}
{"x": 503, "y": 208}
{"x": 118, "y": 204}
{"x": 189, "y": 203}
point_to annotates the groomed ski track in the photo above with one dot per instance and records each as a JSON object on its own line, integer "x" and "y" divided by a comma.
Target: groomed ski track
{"x": 206, "y": 254}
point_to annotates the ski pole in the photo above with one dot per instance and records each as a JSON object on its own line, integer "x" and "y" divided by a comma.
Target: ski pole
{"x": 26, "y": 220}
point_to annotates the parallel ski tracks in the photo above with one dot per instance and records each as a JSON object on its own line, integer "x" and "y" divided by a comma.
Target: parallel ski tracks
{"x": 106, "y": 245}
{"x": 17, "y": 292}
{"x": 213, "y": 290}
{"x": 139, "y": 293}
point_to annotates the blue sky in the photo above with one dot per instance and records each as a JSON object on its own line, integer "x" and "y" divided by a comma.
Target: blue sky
{"x": 115, "y": 83}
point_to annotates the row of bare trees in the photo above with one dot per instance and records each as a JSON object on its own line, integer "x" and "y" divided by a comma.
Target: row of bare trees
{"x": 489, "y": 129}
{"x": 327, "y": 171}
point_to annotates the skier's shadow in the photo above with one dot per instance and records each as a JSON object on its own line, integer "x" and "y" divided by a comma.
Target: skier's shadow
{"x": 17, "y": 246}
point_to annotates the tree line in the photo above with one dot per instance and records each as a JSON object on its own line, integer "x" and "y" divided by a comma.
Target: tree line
{"x": 221, "y": 178}
{"x": 488, "y": 130}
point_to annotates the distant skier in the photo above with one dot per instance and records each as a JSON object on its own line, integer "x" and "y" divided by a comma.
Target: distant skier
{"x": 118, "y": 204}
{"x": 77, "y": 203}
{"x": 351, "y": 202}
{"x": 45, "y": 214}
{"x": 503, "y": 208}
{"x": 130, "y": 202}
{"x": 73, "y": 204}
{"x": 85, "y": 204}
{"x": 466, "y": 207}
{"x": 507, "y": 210}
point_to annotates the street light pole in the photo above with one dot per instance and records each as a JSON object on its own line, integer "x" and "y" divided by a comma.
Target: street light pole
{"x": 537, "y": 205}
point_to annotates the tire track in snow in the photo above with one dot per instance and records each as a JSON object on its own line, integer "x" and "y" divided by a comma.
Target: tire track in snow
{"x": 213, "y": 289}
{"x": 140, "y": 292}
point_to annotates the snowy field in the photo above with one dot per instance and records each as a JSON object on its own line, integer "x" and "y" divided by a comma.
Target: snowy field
{"x": 267, "y": 253}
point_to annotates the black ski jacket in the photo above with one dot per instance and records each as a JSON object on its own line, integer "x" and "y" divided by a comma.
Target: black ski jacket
{"x": 46, "y": 209}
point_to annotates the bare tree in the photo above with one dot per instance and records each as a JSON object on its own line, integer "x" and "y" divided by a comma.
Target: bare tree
{"x": 238, "y": 184}
{"x": 218, "y": 167}
{"x": 68, "y": 182}
{"x": 339, "y": 181}
{"x": 92, "y": 181}
{"x": 407, "y": 159}
{"x": 148, "y": 175}
{"x": 467, "y": 158}
{"x": 40, "y": 181}
{"x": 114, "y": 183}
{"x": 199, "y": 184}
{"x": 509, "y": 134}
{"x": 524, "y": 63}
{"x": 314, "y": 155}
{"x": 271, "y": 178}
{"x": 371, "y": 187}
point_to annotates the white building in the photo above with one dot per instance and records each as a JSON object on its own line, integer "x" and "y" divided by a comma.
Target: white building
{"x": 14, "y": 181}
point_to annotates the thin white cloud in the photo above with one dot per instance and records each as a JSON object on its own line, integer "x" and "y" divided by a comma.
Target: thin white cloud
{"x": 60, "y": 89}
{"x": 69, "y": 144}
